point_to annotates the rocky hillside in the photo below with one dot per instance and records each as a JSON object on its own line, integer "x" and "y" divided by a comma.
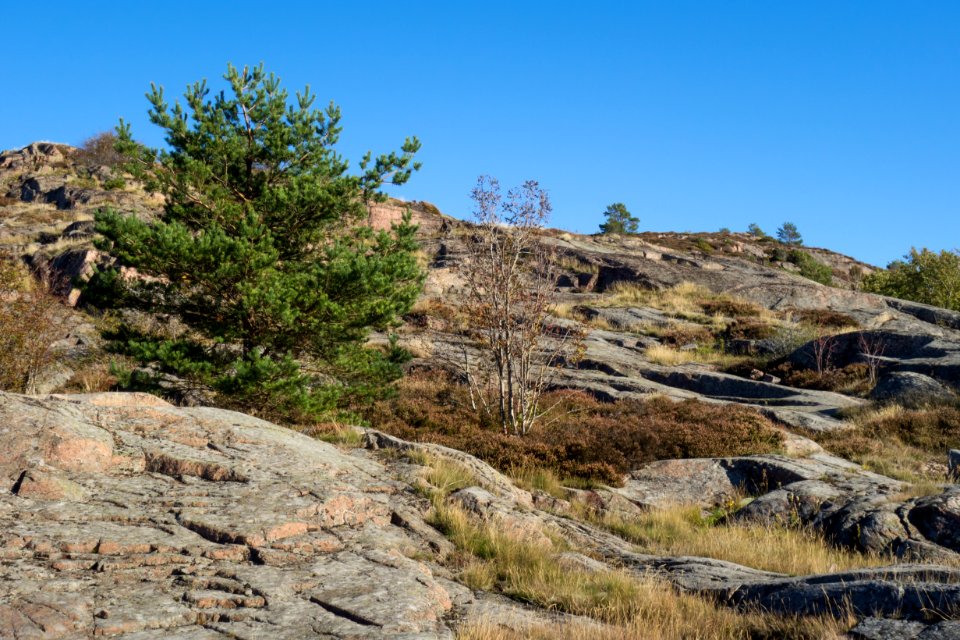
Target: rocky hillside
{"x": 128, "y": 515}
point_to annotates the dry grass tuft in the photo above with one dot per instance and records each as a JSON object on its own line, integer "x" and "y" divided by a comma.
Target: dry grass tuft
{"x": 91, "y": 377}
{"x": 683, "y": 300}
{"x": 905, "y": 443}
{"x": 332, "y": 432}
{"x": 671, "y": 356}
{"x": 662, "y": 621}
{"x": 627, "y": 605}
{"x": 683, "y": 531}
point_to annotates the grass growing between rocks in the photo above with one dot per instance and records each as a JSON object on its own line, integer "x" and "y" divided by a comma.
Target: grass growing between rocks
{"x": 334, "y": 433}
{"x": 671, "y": 356}
{"x": 660, "y": 625}
{"x": 526, "y": 565}
{"x": 584, "y": 438}
{"x": 689, "y": 301}
{"x": 683, "y": 531}
{"x": 908, "y": 444}
{"x": 626, "y": 605}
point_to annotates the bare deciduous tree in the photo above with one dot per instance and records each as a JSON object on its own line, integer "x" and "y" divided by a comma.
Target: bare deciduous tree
{"x": 871, "y": 350}
{"x": 100, "y": 150}
{"x": 822, "y": 349}
{"x": 510, "y": 286}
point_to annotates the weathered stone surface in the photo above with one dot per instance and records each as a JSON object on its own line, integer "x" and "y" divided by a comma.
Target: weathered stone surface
{"x": 138, "y": 517}
{"x": 670, "y": 482}
{"x": 938, "y": 518}
{"x": 909, "y": 389}
{"x": 886, "y": 629}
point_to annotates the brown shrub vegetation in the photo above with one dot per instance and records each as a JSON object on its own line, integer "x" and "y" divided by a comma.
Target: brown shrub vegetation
{"x": 853, "y": 379}
{"x": 100, "y": 150}
{"x": 686, "y": 333}
{"x": 29, "y": 324}
{"x": 909, "y": 444}
{"x": 824, "y": 318}
{"x": 583, "y": 437}
{"x": 749, "y": 329}
{"x": 731, "y": 307}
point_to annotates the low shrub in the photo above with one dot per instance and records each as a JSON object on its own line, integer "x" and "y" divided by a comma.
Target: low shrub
{"x": 704, "y": 245}
{"x": 583, "y": 437}
{"x": 100, "y": 151}
{"x": 749, "y": 329}
{"x": 810, "y": 267}
{"x": 853, "y": 379}
{"x": 111, "y": 184}
{"x": 680, "y": 334}
{"x": 825, "y": 318}
{"x": 29, "y": 324}
{"x": 908, "y": 444}
{"x": 731, "y": 307}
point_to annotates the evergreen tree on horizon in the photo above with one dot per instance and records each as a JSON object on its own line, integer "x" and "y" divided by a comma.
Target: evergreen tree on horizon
{"x": 262, "y": 251}
{"x": 788, "y": 234}
{"x": 619, "y": 220}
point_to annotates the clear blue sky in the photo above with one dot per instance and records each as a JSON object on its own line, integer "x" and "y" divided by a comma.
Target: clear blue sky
{"x": 843, "y": 117}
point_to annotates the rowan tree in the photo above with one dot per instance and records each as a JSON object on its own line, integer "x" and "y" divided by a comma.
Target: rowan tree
{"x": 922, "y": 276}
{"x": 262, "y": 250}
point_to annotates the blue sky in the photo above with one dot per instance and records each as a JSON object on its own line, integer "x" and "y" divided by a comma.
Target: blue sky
{"x": 842, "y": 117}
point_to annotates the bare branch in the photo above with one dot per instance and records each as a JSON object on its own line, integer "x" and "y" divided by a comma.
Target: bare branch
{"x": 510, "y": 285}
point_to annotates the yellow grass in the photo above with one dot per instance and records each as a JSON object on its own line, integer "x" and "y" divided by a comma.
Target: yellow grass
{"x": 682, "y": 531}
{"x": 628, "y": 605}
{"x": 897, "y": 442}
{"x": 685, "y": 298}
{"x": 669, "y": 356}
{"x": 664, "y": 623}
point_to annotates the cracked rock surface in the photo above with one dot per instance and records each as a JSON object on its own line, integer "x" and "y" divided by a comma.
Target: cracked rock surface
{"x": 124, "y": 515}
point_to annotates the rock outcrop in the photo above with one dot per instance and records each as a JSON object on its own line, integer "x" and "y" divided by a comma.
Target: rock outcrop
{"x": 903, "y": 591}
{"x": 126, "y": 515}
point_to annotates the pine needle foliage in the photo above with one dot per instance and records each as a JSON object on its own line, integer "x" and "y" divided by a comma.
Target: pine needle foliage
{"x": 263, "y": 250}
{"x": 619, "y": 220}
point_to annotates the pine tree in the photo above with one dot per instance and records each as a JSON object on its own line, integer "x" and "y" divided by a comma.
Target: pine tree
{"x": 755, "y": 230}
{"x": 262, "y": 251}
{"x": 619, "y": 220}
{"x": 788, "y": 234}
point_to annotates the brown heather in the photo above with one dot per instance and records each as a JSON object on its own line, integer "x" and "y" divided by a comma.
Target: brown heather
{"x": 583, "y": 437}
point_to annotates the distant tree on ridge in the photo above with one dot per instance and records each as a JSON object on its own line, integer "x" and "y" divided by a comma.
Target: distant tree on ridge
{"x": 788, "y": 234}
{"x": 619, "y": 220}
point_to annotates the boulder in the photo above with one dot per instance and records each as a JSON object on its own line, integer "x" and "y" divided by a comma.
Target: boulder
{"x": 937, "y": 518}
{"x": 910, "y": 389}
{"x": 703, "y": 482}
